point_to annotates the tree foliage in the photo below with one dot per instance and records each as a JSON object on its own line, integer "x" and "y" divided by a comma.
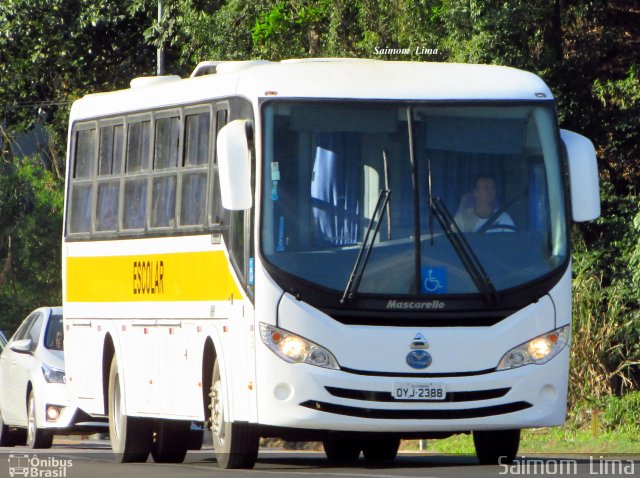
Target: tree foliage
{"x": 31, "y": 212}
{"x": 50, "y": 54}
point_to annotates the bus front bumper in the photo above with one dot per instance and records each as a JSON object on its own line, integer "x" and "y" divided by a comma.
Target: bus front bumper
{"x": 307, "y": 397}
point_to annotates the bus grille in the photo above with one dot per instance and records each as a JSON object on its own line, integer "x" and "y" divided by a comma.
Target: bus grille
{"x": 374, "y": 396}
{"x": 456, "y": 414}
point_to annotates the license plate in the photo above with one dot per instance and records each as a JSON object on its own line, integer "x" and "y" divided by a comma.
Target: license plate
{"x": 419, "y": 391}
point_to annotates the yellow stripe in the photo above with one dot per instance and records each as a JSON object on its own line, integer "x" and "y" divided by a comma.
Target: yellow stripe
{"x": 188, "y": 276}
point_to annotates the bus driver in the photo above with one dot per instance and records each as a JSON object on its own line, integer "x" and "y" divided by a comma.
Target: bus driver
{"x": 472, "y": 219}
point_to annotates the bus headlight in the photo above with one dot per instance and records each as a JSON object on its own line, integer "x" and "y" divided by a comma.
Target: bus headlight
{"x": 295, "y": 349}
{"x": 53, "y": 375}
{"x": 538, "y": 350}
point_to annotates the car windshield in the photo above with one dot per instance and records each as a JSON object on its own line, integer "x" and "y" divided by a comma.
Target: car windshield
{"x": 459, "y": 199}
{"x": 54, "y": 336}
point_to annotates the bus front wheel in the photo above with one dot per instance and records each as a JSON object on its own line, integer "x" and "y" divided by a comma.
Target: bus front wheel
{"x": 496, "y": 446}
{"x": 130, "y": 436}
{"x": 381, "y": 448}
{"x": 236, "y": 444}
{"x": 342, "y": 446}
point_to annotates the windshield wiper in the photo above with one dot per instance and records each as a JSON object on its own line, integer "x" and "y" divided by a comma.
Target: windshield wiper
{"x": 367, "y": 245}
{"x": 469, "y": 258}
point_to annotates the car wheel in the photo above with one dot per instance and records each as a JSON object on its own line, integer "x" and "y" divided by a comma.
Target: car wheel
{"x": 130, "y": 436}
{"x": 342, "y": 447}
{"x": 496, "y": 446}
{"x": 36, "y": 437}
{"x": 170, "y": 441}
{"x": 236, "y": 444}
{"x": 8, "y": 436}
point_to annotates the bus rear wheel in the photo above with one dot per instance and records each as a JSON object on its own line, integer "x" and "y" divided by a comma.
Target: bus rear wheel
{"x": 236, "y": 444}
{"x": 170, "y": 441}
{"x": 496, "y": 446}
{"x": 130, "y": 436}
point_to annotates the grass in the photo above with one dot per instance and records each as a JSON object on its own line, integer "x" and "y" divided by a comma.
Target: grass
{"x": 614, "y": 429}
{"x": 561, "y": 440}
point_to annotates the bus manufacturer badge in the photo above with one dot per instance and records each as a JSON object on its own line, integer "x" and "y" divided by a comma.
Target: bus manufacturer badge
{"x": 419, "y": 342}
{"x": 419, "y": 359}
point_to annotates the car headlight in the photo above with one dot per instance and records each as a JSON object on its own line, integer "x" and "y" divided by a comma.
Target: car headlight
{"x": 52, "y": 375}
{"x": 295, "y": 349}
{"x": 538, "y": 350}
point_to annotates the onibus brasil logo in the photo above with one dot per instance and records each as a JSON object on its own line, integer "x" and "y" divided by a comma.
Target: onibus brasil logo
{"x": 38, "y": 467}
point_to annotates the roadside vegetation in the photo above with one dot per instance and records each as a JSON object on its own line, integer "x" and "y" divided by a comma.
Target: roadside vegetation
{"x": 52, "y": 53}
{"x": 609, "y": 425}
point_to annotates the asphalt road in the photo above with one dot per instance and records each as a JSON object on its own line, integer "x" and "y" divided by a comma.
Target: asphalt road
{"x": 93, "y": 460}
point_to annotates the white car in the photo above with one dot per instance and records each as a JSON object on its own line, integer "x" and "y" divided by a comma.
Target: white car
{"x": 33, "y": 396}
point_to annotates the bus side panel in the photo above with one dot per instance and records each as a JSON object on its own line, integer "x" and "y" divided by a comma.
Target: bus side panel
{"x": 158, "y": 299}
{"x": 238, "y": 363}
{"x": 83, "y": 363}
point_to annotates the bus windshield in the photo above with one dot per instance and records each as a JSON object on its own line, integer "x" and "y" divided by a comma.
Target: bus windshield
{"x": 473, "y": 196}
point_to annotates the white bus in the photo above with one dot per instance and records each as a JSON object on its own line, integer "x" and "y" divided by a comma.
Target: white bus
{"x": 348, "y": 251}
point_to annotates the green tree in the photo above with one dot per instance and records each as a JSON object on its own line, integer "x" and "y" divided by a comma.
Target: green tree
{"x": 31, "y": 208}
{"x": 50, "y": 54}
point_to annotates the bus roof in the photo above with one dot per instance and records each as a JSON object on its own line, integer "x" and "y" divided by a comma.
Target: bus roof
{"x": 338, "y": 78}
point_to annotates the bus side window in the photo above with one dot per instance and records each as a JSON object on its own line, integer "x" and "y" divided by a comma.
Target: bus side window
{"x": 194, "y": 187}
{"x": 163, "y": 202}
{"x": 107, "y": 205}
{"x": 85, "y": 153}
{"x": 138, "y": 145}
{"x": 167, "y": 143}
{"x": 194, "y": 183}
{"x": 234, "y": 222}
{"x": 135, "y": 188}
{"x": 218, "y": 213}
{"x": 135, "y": 199}
{"x": 196, "y": 147}
{"x": 109, "y": 167}
{"x": 82, "y": 191}
{"x": 111, "y": 149}
{"x": 166, "y": 153}
{"x": 81, "y": 200}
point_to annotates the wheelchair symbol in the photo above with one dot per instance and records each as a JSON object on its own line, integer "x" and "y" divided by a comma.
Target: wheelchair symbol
{"x": 431, "y": 283}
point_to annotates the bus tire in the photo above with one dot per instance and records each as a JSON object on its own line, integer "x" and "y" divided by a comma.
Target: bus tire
{"x": 496, "y": 446}
{"x": 170, "y": 441}
{"x": 382, "y": 448}
{"x": 236, "y": 444}
{"x": 196, "y": 437}
{"x": 340, "y": 446}
{"x": 130, "y": 436}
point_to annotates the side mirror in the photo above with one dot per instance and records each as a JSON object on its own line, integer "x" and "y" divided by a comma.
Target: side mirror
{"x": 234, "y": 165}
{"x": 21, "y": 346}
{"x": 583, "y": 173}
